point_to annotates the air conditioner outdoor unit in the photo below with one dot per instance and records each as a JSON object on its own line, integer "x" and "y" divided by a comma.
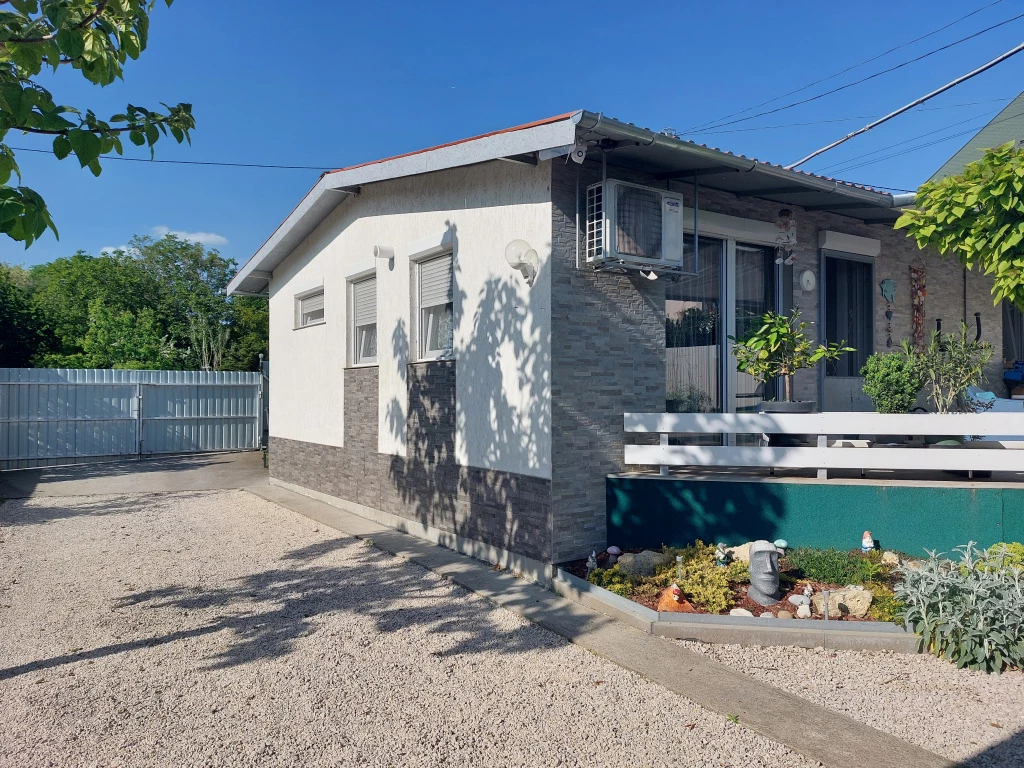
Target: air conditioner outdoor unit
{"x": 630, "y": 225}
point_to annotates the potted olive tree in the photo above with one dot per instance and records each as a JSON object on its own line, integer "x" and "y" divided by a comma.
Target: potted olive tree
{"x": 778, "y": 349}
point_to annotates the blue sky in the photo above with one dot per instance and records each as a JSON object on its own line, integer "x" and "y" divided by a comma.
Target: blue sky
{"x": 328, "y": 84}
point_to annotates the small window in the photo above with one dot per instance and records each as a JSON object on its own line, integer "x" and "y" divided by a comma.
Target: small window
{"x": 364, "y": 322}
{"x": 309, "y": 309}
{"x": 436, "y": 308}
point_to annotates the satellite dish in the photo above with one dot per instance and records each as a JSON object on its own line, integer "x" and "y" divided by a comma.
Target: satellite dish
{"x": 521, "y": 256}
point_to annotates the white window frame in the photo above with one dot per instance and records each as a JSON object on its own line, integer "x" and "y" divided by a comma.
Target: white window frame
{"x": 354, "y": 360}
{"x": 299, "y": 298}
{"x": 422, "y": 355}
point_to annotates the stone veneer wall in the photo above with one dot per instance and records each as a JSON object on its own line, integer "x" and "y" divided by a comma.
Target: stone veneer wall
{"x": 608, "y": 337}
{"x": 503, "y": 509}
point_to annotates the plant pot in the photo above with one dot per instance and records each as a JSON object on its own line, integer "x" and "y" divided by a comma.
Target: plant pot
{"x": 781, "y": 406}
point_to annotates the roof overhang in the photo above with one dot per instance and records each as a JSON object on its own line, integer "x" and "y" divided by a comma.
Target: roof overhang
{"x": 333, "y": 188}
{"x": 669, "y": 158}
{"x": 640, "y": 149}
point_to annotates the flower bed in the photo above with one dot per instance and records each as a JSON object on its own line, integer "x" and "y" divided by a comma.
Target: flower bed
{"x": 710, "y": 588}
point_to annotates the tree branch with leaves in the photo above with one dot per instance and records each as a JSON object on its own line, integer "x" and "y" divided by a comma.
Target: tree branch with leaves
{"x": 97, "y": 38}
{"x": 978, "y": 217}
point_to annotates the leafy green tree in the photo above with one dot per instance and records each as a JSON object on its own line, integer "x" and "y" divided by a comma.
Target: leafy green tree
{"x": 64, "y": 289}
{"x": 250, "y": 334}
{"x": 96, "y": 38}
{"x": 122, "y": 339}
{"x": 978, "y": 217}
{"x": 20, "y": 329}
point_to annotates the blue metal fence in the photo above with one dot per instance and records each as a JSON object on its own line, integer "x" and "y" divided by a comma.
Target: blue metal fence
{"x": 52, "y": 416}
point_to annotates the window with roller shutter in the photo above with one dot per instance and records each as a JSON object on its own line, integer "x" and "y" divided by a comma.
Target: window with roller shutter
{"x": 364, "y": 321}
{"x": 436, "y": 307}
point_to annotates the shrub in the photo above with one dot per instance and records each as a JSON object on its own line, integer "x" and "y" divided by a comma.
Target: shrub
{"x": 950, "y": 364}
{"x": 892, "y": 381}
{"x": 833, "y": 566}
{"x": 737, "y": 571}
{"x": 706, "y": 585}
{"x": 966, "y": 611}
{"x": 885, "y": 606}
{"x": 611, "y": 579}
{"x": 1006, "y": 555}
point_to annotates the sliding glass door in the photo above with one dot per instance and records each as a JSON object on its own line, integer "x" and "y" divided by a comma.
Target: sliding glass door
{"x": 756, "y": 289}
{"x": 694, "y": 337}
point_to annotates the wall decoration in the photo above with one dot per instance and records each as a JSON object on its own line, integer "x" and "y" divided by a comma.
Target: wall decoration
{"x": 917, "y": 295}
{"x": 888, "y": 287}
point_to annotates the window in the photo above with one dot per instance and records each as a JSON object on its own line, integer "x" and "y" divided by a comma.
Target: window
{"x": 849, "y": 312}
{"x": 436, "y": 308}
{"x": 364, "y": 321}
{"x": 309, "y": 308}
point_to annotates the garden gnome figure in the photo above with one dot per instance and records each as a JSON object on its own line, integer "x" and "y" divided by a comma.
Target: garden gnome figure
{"x": 591, "y": 563}
{"x": 764, "y": 573}
{"x": 867, "y": 543}
{"x": 721, "y": 556}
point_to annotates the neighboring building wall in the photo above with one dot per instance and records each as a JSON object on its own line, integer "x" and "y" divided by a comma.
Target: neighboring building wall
{"x": 461, "y": 445}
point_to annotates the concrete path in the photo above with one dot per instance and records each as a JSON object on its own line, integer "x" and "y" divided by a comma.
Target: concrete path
{"x": 196, "y": 472}
{"x": 833, "y": 739}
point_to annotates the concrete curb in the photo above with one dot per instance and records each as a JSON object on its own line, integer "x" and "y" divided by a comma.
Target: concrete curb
{"x": 831, "y": 738}
{"x": 738, "y": 630}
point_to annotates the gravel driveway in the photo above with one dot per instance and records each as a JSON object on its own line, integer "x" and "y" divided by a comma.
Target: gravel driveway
{"x": 955, "y": 713}
{"x": 218, "y": 629}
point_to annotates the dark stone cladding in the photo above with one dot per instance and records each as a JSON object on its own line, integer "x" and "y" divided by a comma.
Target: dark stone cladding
{"x": 503, "y": 509}
{"x": 607, "y": 358}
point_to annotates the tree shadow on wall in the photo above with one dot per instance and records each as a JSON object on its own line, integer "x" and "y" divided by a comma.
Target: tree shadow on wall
{"x": 505, "y": 350}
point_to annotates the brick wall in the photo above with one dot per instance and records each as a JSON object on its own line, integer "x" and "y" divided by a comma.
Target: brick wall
{"x": 503, "y": 509}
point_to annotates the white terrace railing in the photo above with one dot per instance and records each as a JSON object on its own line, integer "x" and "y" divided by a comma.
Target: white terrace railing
{"x": 880, "y": 444}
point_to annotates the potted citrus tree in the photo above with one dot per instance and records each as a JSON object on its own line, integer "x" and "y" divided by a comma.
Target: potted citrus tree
{"x": 778, "y": 349}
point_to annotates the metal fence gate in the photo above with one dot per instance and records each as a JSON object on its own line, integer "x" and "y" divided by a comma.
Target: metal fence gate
{"x": 51, "y": 416}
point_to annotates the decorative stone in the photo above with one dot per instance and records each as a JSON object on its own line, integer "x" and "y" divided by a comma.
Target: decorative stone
{"x": 784, "y": 615}
{"x": 782, "y": 544}
{"x": 741, "y": 612}
{"x": 642, "y": 564}
{"x": 890, "y": 559}
{"x": 799, "y": 600}
{"x": 764, "y": 573}
{"x": 844, "y": 602}
{"x": 803, "y": 612}
{"x": 740, "y": 553}
{"x": 613, "y": 550}
{"x": 671, "y": 602}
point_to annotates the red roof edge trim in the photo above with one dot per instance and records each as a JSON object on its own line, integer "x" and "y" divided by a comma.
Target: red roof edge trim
{"x": 534, "y": 124}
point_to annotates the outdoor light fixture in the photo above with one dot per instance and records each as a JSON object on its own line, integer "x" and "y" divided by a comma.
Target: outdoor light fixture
{"x": 383, "y": 252}
{"x": 650, "y": 274}
{"x": 521, "y": 256}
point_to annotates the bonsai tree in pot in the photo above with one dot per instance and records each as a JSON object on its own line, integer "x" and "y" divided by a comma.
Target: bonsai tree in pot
{"x": 778, "y": 349}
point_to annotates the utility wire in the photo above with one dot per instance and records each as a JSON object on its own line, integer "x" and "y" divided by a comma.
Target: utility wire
{"x": 848, "y": 69}
{"x": 846, "y": 119}
{"x": 952, "y": 84}
{"x": 847, "y": 161}
{"x": 869, "y": 77}
{"x": 189, "y": 162}
{"x": 846, "y": 164}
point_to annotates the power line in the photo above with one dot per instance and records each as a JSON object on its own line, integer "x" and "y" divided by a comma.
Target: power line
{"x": 190, "y": 162}
{"x": 845, "y": 165}
{"x": 847, "y": 161}
{"x": 963, "y": 78}
{"x": 870, "y": 77}
{"x": 850, "y": 68}
{"x": 846, "y": 119}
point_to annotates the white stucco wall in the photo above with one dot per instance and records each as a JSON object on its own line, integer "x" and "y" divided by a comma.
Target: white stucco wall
{"x": 503, "y": 328}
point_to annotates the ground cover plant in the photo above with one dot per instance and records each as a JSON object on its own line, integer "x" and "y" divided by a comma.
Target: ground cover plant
{"x": 969, "y": 610}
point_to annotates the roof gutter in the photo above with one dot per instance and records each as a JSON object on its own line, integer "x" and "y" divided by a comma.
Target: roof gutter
{"x": 591, "y": 122}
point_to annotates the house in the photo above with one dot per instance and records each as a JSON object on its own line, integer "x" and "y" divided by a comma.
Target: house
{"x": 458, "y": 331}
